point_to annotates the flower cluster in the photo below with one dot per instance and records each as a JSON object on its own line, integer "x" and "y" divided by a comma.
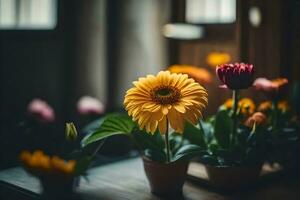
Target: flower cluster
{"x": 246, "y": 106}
{"x": 40, "y": 164}
{"x": 266, "y": 106}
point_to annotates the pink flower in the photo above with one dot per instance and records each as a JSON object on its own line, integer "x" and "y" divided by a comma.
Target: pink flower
{"x": 235, "y": 76}
{"x": 41, "y": 110}
{"x": 272, "y": 88}
{"x": 87, "y": 105}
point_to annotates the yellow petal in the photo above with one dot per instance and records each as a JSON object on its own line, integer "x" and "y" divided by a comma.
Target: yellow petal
{"x": 180, "y": 108}
{"x": 162, "y": 126}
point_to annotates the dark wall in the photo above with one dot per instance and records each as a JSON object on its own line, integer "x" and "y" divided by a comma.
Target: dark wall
{"x": 35, "y": 63}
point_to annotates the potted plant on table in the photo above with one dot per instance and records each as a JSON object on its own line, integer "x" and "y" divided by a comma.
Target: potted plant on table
{"x": 234, "y": 137}
{"x": 158, "y": 107}
{"x": 58, "y": 176}
{"x": 283, "y": 122}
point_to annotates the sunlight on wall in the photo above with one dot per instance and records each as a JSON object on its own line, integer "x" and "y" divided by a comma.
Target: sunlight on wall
{"x": 210, "y": 11}
{"x": 28, "y": 14}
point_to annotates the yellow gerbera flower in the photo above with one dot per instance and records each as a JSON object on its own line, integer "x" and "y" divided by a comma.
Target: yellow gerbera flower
{"x": 166, "y": 97}
{"x": 247, "y": 106}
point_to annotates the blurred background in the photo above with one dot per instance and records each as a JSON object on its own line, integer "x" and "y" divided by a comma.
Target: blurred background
{"x": 60, "y": 50}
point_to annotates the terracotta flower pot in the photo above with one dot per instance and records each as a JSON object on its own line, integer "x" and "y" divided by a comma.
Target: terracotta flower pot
{"x": 166, "y": 179}
{"x": 228, "y": 178}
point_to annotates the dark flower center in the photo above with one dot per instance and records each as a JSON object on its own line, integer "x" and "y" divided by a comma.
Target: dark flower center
{"x": 165, "y": 94}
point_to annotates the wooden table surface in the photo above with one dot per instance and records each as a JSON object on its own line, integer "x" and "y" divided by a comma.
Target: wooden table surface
{"x": 126, "y": 180}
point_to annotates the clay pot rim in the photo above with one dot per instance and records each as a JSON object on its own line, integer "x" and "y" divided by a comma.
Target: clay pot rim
{"x": 236, "y": 167}
{"x": 148, "y": 160}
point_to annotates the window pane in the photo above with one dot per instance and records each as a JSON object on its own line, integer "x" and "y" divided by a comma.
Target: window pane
{"x": 28, "y": 14}
{"x": 210, "y": 11}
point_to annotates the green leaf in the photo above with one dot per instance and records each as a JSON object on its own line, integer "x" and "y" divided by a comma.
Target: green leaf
{"x": 187, "y": 152}
{"x": 113, "y": 124}
{"x": 223, "y": 128}
{"x": 155, "y": 155}
{"x": 176, "y": 141}
{"x": 194, "y": 135}
{"x": 92, "y": 126}
{"x": 209, "y": 160}
{"x": 148, "y": 141}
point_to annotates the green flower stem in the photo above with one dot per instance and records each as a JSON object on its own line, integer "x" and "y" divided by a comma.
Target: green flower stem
{"x": 234, "y": 116}
{"x": 202, "y": 130}
{"x": 98, "y": 148}
{"x": 167, "y": 142}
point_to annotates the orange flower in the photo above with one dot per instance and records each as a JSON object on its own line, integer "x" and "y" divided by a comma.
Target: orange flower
{"x": 257, "y": 118}
{"x": 246, "y": 106}
{"x": 39, "y": 163}
{"x": 215, "y": 58}
{"x": 228, "y": 104}
{"x": 265, "y": 106}
{"x": 200, "y": 75}
{"x": 283, "y": 106}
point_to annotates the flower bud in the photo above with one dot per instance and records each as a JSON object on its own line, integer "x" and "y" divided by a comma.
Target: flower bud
{"x": 70, "y": 131}
{"x": 235, "y": 76}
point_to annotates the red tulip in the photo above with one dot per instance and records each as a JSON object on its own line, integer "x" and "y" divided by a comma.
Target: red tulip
{"x": 235, "y": 76}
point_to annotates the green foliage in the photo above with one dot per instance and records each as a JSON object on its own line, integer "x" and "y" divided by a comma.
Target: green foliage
{"x": 159, "y": 156}
{"x": 152, "y": 145}
{"x": 113, "y": 124}
{"x": 82, "y": 165}
{"x": 194, "y": 134}
{"x": 187, "y": 152}
{"x": 145, "y": 140}
{"x": 223, "y": 128}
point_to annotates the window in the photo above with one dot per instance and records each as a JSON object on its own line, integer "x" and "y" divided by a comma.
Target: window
{"x": 210, "y": 11}
{"x": 28, "y": 14}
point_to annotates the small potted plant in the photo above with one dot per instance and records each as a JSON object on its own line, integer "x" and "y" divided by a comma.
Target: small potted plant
{"x": 55, "y": 174}
{"x": 58, "y": 177}
{"x": 234, "y": 137}
{"x": 158, "y": 107}
{"x": 283, "y": 122}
